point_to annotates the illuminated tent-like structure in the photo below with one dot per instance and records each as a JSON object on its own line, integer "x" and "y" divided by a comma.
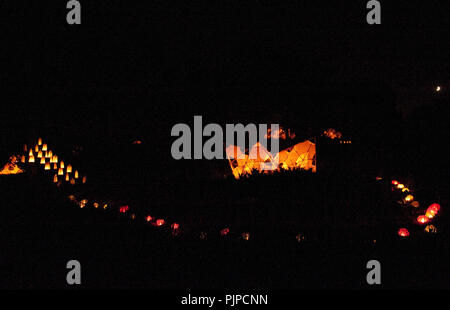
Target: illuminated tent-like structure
{"x": 11, "y": 167}
{"x": 300, "y": 156}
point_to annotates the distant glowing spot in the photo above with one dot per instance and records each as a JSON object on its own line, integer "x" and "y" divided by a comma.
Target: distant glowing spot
{"x": 403, "y": 232}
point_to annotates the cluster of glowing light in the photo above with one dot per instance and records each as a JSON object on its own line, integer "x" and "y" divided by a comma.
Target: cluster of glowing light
{"x": 175, "y": 226}
{"x": 148, "y": 218}
{"x": 332, "y": 134}
{"x": 160, "y": 222}
{"x": 83, "y": 203}
{"x": 124, "y": 209}
{"x": 47, "y": 157}
{"x": 400, "y": 186}
{"x": 394, "y": 182}
{"x": 280, "y": 134}
{"x": 403, "y": 232}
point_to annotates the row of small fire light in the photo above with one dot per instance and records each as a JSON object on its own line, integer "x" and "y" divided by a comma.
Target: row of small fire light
{"x": 159, "y": 222}
{"x": 423, "y": 219}
{"x": 47, "y": 158}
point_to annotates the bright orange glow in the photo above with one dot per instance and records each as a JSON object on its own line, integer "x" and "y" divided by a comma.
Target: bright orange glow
{"x": 422, "y": 219}
{"x": 400, "y": 186}
{"x": 55, "y": 166}
{"x": 69, "y": 168}
{"x": 67, "y": 177}
{"x": 40, "y": 141}
{"x": 11, "y": 167}
{"x": 31, "y": 159}
{"x": 259, "y": 159}
{"x": 96, "y": 205}
{"x": 60, "y": 171}
{"x": 160, "y": 222}
{"x": 245, "y": 236}
{"x": 432, "y": 210}
{"x": 175, "y": 226}
{"x": 44, "y": 147}
{"x": 47, "y": 166}
{"x": 430, "y": 214}
{"x": 36, "y": 149}
{"x": 55, "y": 178}
{"x": 403, "y": 232}
{"x": 409, "y": 198}
{"x": 30, "y": 153}
{"x": 39, "y": 155}
{"x": 84, "y": 179}
{"x": 148, "y": 218}
{"x": 83, "y": 203}
{"x": 61, "y": 165}
{"x": 332, "y": 134}
{"x": 42, "y": 160}
{"x": 76, "y": 174}
{"x": 394, "y": 182}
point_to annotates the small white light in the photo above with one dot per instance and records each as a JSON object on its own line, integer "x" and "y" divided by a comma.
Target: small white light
{"x": 438, "y": 88}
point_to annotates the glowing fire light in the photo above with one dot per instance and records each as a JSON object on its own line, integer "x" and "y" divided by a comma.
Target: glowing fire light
{"x": 435, "y": 207}
{"x": 409, "y": 198}
{"x": 422, "y": 219}
{"x": 175, "y": 226}
{"x": 403, "y": 232}
{"x": 394, "y": 182}
{"x": 431, "y": 229}
{"x": 148, "y": 218}
{"x": 160, "y": 222}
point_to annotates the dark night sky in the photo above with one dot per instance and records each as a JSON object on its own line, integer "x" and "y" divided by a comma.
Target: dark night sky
{"x": 171, "y": 58}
